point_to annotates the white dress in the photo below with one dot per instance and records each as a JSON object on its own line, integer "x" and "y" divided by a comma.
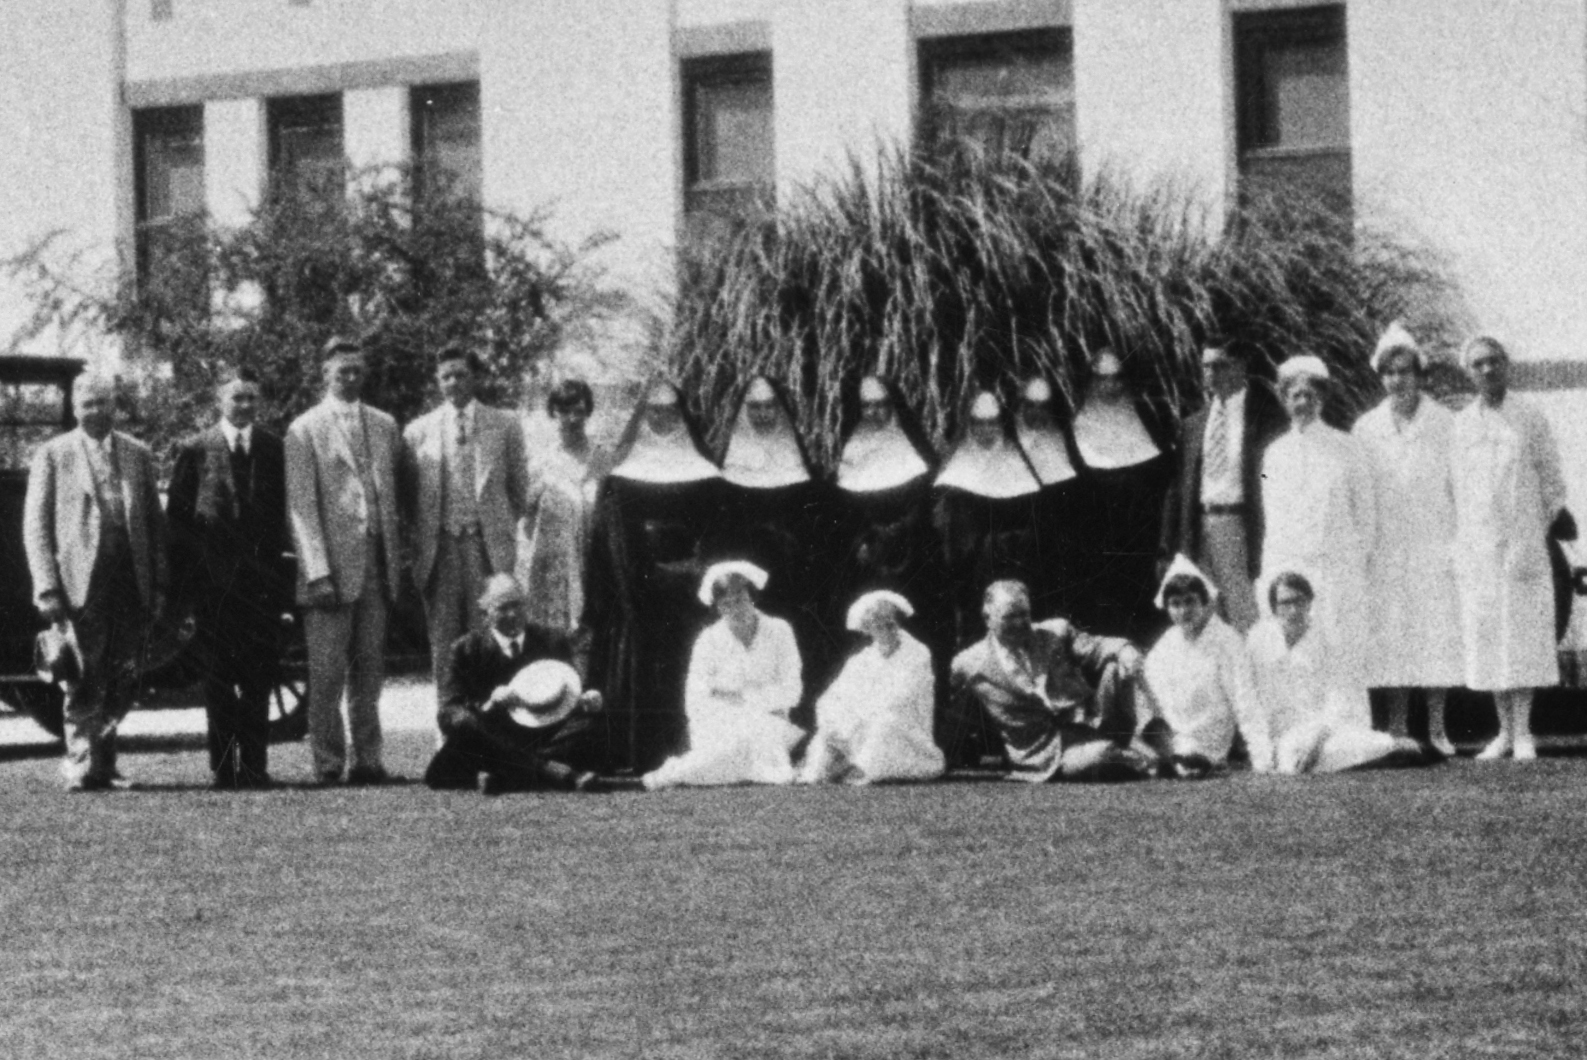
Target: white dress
{"x": 1308, "y": 721}
{"x": 737, "y": 700}
{"x": 1508, "y": 488}
{"x": 1320, "y": 519}
{"x": 1415, "y": 610}
{"x": 1203, "y": 688}
{"x": 874, "y": 722}
{"x": 554, "y": 539}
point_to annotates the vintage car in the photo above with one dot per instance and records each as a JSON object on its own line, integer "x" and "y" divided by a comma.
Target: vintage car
{"x": 36, "y": 405}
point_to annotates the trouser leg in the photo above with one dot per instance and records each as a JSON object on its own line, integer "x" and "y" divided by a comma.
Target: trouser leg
{"x": 220, "y": 710}
{"x": 365, "y": 674}
{"x": 1116, "y": 706}
{"x": 451, "y": 600}
{"x": 328, "y": 632}
{"x": 1399, "y": 720}
{"x": 109, "y": 628}
{"x": 1225, "y": 556}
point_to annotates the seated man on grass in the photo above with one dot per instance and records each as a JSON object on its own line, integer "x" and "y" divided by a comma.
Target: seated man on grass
{"x": 1061, "y": 700}
{"x": 511, "y": 706}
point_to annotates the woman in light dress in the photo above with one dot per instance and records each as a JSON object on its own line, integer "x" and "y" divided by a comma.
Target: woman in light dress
{"x": 1415, "y": 611}
{"x": 1198, "y": 674}
{"x": 1320, "y": 516}
{"x": 1308, "y": 721}
{"x": 745, "y": 677}
{"x": 556, "y": 538}
{"x": 875, "y": 721}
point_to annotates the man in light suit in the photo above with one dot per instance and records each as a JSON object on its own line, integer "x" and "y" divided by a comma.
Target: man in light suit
{"x": 1213, "y": 511}
{"x": 95, "y": 539}
{"x": 227, "y": 508}
{"x": 341, "y": 458}
{"x": 1062, "y": 701}
{"x": 465, "y": 486}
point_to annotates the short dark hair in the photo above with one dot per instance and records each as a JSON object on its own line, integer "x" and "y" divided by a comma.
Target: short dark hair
{"x": 239, "y": 374}
{"x": 1186, "y": 585}
{"x": 568, "y": 393}
{"x": 457, "y": 352}
{"x": 337, "y": 345}
{"x": 1294, "y": 582}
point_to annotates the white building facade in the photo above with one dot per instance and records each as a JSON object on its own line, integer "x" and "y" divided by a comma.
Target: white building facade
{"x": 1462, "y": 123}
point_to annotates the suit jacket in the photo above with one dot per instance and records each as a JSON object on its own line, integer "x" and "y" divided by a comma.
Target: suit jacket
{"x": 1068, "y": 661}
{"x": 228, "y": 541}
{"x": 61, "y": 518}
{"x": 479, "y": 667}
{"x": 1264, "y": 421}
{"x": 501, "y": 484}
{"x": 322, "y": 500}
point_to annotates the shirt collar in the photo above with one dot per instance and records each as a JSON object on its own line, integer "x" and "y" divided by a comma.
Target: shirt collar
{"x": 342, "y": 408}
{"x": 465, "y": 415}
{"x": 232, "y": 433}
{"x": 509, "y": 646}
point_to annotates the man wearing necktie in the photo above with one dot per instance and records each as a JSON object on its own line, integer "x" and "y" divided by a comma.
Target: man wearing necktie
{"x": 485, "y": 728}
{"x": 465, "y": 486}
{"x": 342, "y": 506}
{"x": 1213, "y": 512}
{"x": 227, "y": 508}
{"x": 94, "y": 533}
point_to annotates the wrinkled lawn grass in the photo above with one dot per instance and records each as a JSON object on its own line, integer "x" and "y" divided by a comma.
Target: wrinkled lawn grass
{"x": 1410, "y": 914}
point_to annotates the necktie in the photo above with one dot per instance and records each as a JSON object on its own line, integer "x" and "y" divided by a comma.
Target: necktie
{"x": 1215, "y": 459}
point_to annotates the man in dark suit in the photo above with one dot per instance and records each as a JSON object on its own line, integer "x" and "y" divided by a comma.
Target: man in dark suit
{"x": 228, "y": 513}
{"x": 490, "y": 727}
{"x": 1213, "y": 513}
{"x": 1062, "y": 701}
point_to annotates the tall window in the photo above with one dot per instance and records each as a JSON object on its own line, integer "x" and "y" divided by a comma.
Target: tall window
{"x": 446, "y": 135}
{"x": 1003, "y": 92}
{"x": 1293, "y": 92}
{"x": 729, "y": 156}
{"x": 168, "y": 184}
{"x": 306, "y": 156}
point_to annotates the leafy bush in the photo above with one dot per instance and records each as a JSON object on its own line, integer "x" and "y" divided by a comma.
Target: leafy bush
{"x": 405, "y": 278}
{"x": 972, "y": 270}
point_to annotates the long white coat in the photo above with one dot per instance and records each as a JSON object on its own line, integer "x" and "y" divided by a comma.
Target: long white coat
{"x": 1415, "y": 610}
{"x": 874, "y": 722}
{"x": 1320, "y": 517}
{"x": 1508, "y": 488}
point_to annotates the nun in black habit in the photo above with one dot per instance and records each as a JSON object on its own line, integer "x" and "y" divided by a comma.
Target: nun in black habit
{"x": 773, "y": 517}
{"x": 648, "y": 549}
{"x": 1057, "y": 506}
{"x": 986, "y": 514}
{"x": 883, "y": 537}
{"x": 1125, "y": 475}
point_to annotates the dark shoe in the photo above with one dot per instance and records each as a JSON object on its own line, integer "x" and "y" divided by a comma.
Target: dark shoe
{"x": 327, "y": 780}
{"x": 495, "y": 784}
{"x": 88, "y": 783}
{"x": 368, "y": 777}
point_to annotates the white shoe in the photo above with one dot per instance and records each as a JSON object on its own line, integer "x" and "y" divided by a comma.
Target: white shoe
{"x": 1442, "y": 745}
{"x": 1525, "y": 749}
{"x": 1499, "y": 748}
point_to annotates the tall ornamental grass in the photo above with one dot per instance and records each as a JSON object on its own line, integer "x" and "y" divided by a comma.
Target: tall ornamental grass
{"x": 956, "y": 273}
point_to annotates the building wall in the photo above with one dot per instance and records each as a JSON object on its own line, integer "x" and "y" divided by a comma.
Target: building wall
{"x": 1469, "y": 119}
{"x": 1470, "y": 130}
{"x": 66, "y": 166}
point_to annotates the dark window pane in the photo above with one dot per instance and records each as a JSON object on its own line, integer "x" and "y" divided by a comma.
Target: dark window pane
{"x": 729, "y": 141}
{"x": 446, "y": 140}
{"x": 1308, "y": 90}
{"x": 168, "y": 183}
{"x": 1001, "y": 92}
{"x": 306, "y": 157}
{"x": 1293, "y": 96}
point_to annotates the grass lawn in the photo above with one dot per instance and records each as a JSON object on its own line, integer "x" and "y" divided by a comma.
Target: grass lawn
{"x": 1433, "y": 913}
